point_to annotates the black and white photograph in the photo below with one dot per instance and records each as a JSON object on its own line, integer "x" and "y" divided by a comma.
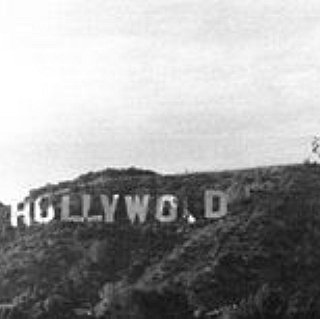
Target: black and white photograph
{"x": 159, "y": 159}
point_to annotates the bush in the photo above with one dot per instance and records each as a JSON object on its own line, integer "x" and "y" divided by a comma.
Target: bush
{"x": 267, "y": 303}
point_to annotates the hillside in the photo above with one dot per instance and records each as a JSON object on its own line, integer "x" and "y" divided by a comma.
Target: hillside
{"x": 260, "y": 261}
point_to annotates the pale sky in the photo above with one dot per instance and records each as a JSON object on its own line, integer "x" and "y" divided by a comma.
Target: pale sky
{"x": 168, "y": 85}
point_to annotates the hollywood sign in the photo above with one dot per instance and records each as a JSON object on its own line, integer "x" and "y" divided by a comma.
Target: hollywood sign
{"x": 137, "y": 208}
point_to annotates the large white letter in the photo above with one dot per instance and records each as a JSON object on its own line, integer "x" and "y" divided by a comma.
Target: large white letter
{"x": 137, "y": 207}
{"x": 65, "y": 211}
{"x": 86, "y": 204}
{"x": 167, "y": 208}
{"x": 38, "y": 212}
{"x": 221, "y": 200}
{"x": 109, "y": 209}
{"x": 15, "y": 213}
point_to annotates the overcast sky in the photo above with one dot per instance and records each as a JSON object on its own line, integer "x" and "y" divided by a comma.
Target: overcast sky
{"x": 168, "y": 85}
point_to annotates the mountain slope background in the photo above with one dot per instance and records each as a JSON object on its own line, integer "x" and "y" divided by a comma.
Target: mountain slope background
{"x": 262, "y": 260}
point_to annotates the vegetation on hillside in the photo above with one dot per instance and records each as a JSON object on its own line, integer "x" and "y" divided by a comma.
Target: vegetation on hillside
{"x": 260, "y": 261}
